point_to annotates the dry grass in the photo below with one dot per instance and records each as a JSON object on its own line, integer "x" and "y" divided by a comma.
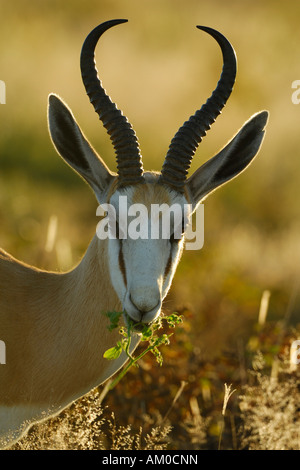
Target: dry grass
{"x": 270, "y": 410}
{"x": 86, "y": 425}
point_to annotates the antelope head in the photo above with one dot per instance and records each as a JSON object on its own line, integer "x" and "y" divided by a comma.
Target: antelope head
{"x": 141, "y": 270}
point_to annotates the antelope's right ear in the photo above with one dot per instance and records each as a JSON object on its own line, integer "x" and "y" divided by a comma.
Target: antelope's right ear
{"x": 230, "y": 161}
{"x": 75, "y": 149}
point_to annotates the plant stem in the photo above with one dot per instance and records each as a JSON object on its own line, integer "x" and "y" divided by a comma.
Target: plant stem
{"x": 121, "y": 374}
{"x": 132, "y": 361}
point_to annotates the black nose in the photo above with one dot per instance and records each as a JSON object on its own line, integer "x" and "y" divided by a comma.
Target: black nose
{"x": 142, "y": 307}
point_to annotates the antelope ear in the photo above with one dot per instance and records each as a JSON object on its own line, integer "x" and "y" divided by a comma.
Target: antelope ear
{"x": 230, "y": 161}
{"x": 74, "y": 148}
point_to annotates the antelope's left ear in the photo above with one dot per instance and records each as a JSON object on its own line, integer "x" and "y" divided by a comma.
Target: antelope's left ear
{"x": 230, "y": 161}
{"x": 74, "y": 147}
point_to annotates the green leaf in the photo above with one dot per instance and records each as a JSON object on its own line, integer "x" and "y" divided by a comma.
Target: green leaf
{"x": 113, "y": 353}
{"x": 114, "y": 319}
{"x": 146, "y": 333}
{"x": 174, "y": 320}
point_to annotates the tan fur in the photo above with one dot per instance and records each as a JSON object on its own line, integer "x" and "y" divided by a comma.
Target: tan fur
{"x": 148, "y": 194}
{"x": 42, "y": 314}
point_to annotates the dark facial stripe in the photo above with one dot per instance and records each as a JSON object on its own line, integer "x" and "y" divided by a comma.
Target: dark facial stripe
{"x": 168, "y": 265}
{"x": 122, "y": 264}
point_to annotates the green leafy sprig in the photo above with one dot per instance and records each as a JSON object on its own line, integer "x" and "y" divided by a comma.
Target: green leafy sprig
{"x": 149, "y": 334}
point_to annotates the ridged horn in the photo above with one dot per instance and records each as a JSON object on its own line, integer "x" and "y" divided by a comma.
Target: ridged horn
{"x": 186, "y": 140}
{"x": 122, "y": 135}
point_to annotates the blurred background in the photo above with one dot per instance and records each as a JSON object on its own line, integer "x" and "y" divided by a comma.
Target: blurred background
{"x": 159, "y": 69}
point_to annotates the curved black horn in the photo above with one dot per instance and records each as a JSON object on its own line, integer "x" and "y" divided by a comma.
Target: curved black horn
{"x": 122, "y": 135}
{"x": 188, "y": 137}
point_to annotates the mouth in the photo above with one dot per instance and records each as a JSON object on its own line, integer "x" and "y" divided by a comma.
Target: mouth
{"x": 133, "y": 325}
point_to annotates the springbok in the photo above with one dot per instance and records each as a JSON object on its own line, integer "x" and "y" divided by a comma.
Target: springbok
{"x": 52, "y": 324}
